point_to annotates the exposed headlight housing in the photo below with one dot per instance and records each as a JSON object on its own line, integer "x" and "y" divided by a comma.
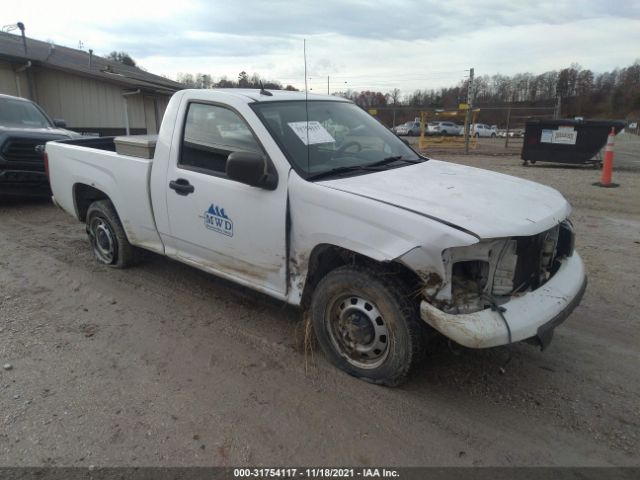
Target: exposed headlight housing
{"x": 493, "y": 270}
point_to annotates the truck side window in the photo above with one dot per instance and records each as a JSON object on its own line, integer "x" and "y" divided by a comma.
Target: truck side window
{"x": 211, "y": 133}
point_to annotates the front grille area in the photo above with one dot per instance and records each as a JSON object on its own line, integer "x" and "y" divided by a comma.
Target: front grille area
{"x": 539, "y": 256}
{"x": 22, "y": 150}
{"x": 22, "y": 177}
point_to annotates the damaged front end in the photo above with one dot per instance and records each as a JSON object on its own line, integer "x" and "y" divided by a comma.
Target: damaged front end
{"x": 491, "y": 271}
{"x": 490, "y": 289}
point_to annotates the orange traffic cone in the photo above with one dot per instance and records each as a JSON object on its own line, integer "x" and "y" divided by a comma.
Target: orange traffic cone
{"x": 607, "y": 169}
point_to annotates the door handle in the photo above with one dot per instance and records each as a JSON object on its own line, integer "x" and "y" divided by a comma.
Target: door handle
{"x": 181, "y": 186}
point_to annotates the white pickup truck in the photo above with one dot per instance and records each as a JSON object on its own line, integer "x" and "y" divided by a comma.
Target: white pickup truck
{"x": 312, "y": 201}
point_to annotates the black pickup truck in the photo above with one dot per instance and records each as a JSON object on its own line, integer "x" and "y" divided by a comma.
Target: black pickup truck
{"x": 24, "y": 129}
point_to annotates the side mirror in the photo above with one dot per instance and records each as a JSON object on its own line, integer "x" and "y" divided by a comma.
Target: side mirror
{"x": 250, "y": 168}
{"x": 58, "y": 122}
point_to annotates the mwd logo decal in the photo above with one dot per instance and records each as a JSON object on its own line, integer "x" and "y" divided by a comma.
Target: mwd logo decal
{"x": 216, "y": 219}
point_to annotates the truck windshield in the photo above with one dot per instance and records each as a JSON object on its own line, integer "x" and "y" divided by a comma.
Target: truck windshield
{"x": 19, "y": 113}
{"x": 336, "y": 138}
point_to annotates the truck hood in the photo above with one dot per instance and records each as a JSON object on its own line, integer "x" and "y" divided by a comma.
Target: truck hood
{"x": 38, "y": 132}
{"x": 484, "y": 203}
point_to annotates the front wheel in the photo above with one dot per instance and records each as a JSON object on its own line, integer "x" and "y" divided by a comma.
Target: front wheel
{"x": 367, "y": 325}
{"x": 107, "y": 237}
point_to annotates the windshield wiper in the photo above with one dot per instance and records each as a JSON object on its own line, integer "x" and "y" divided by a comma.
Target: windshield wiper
{"x": 339, "y": 170}
{"x": 371, "y": 167}
{"x": 395, "y": 158}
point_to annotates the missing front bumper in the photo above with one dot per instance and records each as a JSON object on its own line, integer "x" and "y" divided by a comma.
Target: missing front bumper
{"x": 533, "y": 315}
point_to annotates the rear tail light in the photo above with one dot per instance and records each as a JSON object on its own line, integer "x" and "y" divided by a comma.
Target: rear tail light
{"x": 45, "y": 158}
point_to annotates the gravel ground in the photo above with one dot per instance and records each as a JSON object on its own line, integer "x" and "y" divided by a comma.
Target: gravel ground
{"x": 627, "y": 151}
{"x": 165, "y": 365}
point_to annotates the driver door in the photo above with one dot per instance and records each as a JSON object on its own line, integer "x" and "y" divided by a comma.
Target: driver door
{"x": 218, "y": 224}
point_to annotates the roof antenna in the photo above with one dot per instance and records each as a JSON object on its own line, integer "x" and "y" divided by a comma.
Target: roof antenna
{"x": 263, "y": 91}
{"x": 306, "y": 102}
{"x": 52, "y": 49}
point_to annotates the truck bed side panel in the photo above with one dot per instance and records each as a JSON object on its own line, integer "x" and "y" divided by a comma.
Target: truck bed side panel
{"x": 124, "y": 179}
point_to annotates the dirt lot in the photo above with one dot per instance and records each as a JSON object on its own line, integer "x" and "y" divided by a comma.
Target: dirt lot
{"x": 165, "y": 365}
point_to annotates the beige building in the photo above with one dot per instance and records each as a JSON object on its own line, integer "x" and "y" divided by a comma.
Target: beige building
{"x": 90, "y": 93}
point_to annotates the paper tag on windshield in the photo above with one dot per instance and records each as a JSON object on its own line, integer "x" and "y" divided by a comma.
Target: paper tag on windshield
{"x": 317, "y": 133}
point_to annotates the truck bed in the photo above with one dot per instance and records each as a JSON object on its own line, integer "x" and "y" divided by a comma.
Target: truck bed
{"x": 93, "y": 162}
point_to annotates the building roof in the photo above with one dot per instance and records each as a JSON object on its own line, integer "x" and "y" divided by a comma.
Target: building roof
{"x": 80, "y": 62}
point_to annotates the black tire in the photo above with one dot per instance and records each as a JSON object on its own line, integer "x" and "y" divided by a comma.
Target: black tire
{"x": 107, "y": 237}
{"x": 359, "y": 306}
{"x": 477, "y": 135}
{"x": 444, "y": 133}
{"x": 493, "y": 135}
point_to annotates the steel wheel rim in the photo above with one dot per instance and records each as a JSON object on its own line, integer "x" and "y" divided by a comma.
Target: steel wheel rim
{"x": 103, "y": 241}
{"x": 358, "y": 331}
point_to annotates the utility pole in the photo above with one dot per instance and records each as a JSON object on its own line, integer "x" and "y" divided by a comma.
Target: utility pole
{"x": 506, "y": 134}
{"x": 328, "y": 85}
{"x": 556, "y": 112}
{"x": 467, "y": 119}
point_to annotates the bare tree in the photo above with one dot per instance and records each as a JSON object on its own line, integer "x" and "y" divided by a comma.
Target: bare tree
{"x": 394, "y": 96}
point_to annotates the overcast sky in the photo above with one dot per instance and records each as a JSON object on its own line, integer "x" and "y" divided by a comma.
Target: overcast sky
{"x": 372, "y": 44}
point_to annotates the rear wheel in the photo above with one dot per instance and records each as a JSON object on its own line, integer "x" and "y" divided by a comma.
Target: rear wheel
{"x": 367, "y": 325}
{"x": 108, "y": 239}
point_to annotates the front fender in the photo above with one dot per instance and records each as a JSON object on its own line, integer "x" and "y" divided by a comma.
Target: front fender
{"x": 325, "y": 216}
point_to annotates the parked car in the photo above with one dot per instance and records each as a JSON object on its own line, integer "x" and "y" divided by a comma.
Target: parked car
{"x": 411, "y": 129}
{"x": 381, "y": 246}
{"x": 24, "y": 129}
{"x": 482, "y": 130}
{"x": 518, "y": 132}
{"x": 395, "y": 129}
{"x": 443, "y": 128}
